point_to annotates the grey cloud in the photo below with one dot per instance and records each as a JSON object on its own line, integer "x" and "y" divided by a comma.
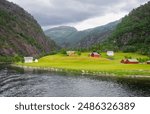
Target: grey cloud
{"x": 55, "y": 12}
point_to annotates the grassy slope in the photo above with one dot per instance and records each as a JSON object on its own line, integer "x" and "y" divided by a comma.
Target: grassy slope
{"x": 100, "y": 65}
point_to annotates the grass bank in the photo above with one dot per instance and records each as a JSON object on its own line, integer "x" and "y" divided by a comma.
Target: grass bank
{"x": 94, "y": 66}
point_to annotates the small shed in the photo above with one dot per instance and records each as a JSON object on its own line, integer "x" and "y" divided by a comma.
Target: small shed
{"x": 110, "y": 53}
{"x": 94, "y": 54}
{"x": 28, "y": 59}
{"x": 129, "y": 61}
{"x": 148, "y": 62}
{"x": 36, "y": 61}
{"x": 71, "y": 53}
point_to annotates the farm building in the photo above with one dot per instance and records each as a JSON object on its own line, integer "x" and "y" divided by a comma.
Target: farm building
{"x": 148, "y": 62}
{"x": 130, "y": 61}
{"x": 71, "y": 53}
{"x": 110, "y": 53}
{"x": 36, "y": 61}
{"x": 94, "y": 54}
{"x": 28, "y": 59}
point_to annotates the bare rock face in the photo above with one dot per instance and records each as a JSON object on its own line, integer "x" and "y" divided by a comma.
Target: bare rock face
{"x": 20, "y": 34}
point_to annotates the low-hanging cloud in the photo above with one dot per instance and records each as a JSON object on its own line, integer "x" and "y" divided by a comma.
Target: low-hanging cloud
{"x": 57, "y": 12}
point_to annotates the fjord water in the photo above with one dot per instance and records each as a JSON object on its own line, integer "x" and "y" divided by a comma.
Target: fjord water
{"x": 16, "y": 82}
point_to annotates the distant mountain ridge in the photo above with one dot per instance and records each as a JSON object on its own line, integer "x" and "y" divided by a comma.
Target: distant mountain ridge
{"x": 20, "y": 34}
{"x": 69, "y": 37}
{"x": 59, "y": 34}
{"x": 97, "y": 35}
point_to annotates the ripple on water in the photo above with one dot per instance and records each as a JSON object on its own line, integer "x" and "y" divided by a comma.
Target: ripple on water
{"x": 13, "y": 84}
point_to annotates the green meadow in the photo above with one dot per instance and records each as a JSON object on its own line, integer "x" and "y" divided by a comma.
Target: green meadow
{"x": 96, "y": 66}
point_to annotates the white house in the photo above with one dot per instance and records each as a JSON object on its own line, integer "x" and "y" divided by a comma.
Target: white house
{"x": 110, "y": 53}
{"x": 28, "y": 59}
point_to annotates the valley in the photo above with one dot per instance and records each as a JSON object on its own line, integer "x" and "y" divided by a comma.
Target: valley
{"x": 70, "y": 37}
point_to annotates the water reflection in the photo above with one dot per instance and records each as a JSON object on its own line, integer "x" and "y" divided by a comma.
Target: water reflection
{"x": 18, "y": 82}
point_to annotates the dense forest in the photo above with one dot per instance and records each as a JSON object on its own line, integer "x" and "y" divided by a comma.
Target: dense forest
{"x": 132, "y": 34}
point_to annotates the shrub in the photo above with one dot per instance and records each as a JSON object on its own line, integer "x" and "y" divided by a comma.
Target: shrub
{"x": 142, "y": 60}
{"x": 129, "y": 49}
{"x": 63, "y": 51}
{"x": 127, "y": 57}
{"x": 8, "y": 59}
{"x": 78, "y": 53}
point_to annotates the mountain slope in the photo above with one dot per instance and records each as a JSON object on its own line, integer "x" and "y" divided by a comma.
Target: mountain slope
{"x": 69, "y": 37}
{"x": 59, "y": 34}
{"x": 97, "y": 35}
{"x": 133, "y": 33}
{"x": 20, "y": 34}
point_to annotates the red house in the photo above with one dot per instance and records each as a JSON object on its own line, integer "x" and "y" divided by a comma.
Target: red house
{"x": 129, "y": 61}
{"x": 94, "y": 54}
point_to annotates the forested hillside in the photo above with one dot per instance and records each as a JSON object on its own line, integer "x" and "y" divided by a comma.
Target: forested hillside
{"x": 60, "y": 34}
{"x": 97, "y": 35}
{"x": 20, "y": 34}
{"x": 133, "y": 33}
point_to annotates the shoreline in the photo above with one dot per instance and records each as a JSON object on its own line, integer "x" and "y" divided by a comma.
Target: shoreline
{"x": 79, "y": 72}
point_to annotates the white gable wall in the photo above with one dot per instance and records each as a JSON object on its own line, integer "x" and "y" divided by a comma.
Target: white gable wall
{"x": 110, "y": 53}
{"x": 28, "y": 59}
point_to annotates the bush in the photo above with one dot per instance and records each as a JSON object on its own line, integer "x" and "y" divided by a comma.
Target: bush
{"x": 127, "y": 57}
{"x": 129, "y": 49}
{"x": 142, "y": 60}
{"x": 78, "y": 53}
{"x": 63, "y": 51}
{"x": 53, "y": 53}
{"x": 8, "y": 59}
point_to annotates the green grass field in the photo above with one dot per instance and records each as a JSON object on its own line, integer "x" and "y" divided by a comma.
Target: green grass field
{"x": 100, "y": 66}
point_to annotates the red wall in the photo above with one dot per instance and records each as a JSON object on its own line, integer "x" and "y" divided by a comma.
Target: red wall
{"x": 95, "y": 55}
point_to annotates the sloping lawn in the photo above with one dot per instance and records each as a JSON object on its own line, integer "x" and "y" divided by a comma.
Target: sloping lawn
{"x": 102, "y": 65}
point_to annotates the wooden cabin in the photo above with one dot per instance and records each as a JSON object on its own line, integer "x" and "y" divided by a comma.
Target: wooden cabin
{"x": 28, "y": 59}
{"x": 94, "y": 54}
{"x": 148, "y": 62}
{"x": 110, "y": 53}
{"x": 71, "y": 53}
{"x": 129, "y": 61}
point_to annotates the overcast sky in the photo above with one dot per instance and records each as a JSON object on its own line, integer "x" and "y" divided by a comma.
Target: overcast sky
{"x": 81, "y": 14}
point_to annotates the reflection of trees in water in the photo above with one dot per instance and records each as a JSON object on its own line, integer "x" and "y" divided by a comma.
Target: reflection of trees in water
{"x": 136, "y": 86}
{"x": 139, "y": 87}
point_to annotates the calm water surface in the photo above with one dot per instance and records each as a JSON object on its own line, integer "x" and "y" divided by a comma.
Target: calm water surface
{"x": 17, "y": 82}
